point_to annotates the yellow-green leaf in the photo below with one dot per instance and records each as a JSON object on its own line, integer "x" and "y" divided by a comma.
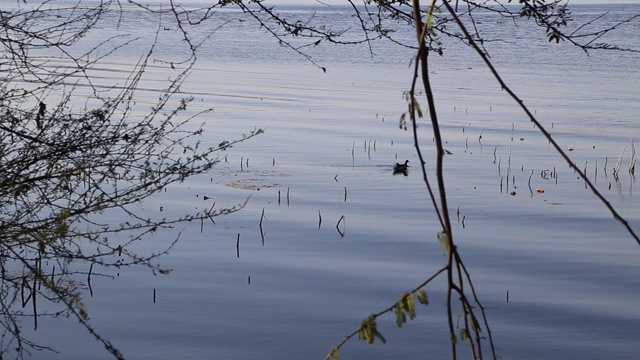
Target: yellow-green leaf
{"x": 422, "y": 297}
{"x": 443, "y": 240}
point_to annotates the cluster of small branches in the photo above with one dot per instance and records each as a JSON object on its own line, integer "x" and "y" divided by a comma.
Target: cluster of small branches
{"x": 72, "y": 175}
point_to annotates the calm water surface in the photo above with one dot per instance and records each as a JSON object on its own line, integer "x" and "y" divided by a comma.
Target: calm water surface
{"x": 570, "y": 270}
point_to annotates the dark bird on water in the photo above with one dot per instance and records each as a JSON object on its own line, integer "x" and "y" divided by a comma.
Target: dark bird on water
{"x": 401, "y": 168}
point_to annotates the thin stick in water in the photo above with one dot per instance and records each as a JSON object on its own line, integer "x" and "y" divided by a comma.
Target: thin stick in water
{"x": 341, "y": 232}
{"x": 584, "y": 171}
{"x": 262, "y": 231}
{"x": 616, "y": 168}
{"x": 632, "y": 161}
{"x": 353, "y": 152}
{"x": 238, "y": 246}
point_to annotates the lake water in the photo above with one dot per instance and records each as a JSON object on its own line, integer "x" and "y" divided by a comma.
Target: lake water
{"x": 293, "y": 292}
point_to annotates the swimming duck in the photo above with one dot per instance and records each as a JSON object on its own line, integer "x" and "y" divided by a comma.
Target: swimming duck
{"x": 401, "y": 168}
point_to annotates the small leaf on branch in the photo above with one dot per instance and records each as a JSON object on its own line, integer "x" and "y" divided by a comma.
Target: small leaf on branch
{"x": 369, "y": 331}
{"x": 422, "y": 297}
{"x": 333, "y": 355}
{"x": 443, "y": 241}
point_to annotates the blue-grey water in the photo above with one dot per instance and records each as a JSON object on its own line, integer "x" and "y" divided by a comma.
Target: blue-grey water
{"x": 571, "y": 271}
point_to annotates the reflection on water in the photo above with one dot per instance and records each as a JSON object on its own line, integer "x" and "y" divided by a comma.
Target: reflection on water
{"x": 329, "y": 234}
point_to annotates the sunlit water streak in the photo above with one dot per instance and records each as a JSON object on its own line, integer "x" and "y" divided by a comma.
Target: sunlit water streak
{"x": 570, "y": 270}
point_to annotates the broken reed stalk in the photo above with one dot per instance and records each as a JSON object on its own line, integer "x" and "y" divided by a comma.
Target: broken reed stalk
{"x": 616, "y": 169}
{"x": 319, "y": 219}
{"x": 353, "y": 152}
{"x": 585, "y": 173}
{"x": 341, "y": 220}
{"x": 287, "y": 196}
{"x": 345, "y": 194}
{"x": 238, "y": 246}
{"x": 262, "y": 231}
{"x": 632, "y": 161}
